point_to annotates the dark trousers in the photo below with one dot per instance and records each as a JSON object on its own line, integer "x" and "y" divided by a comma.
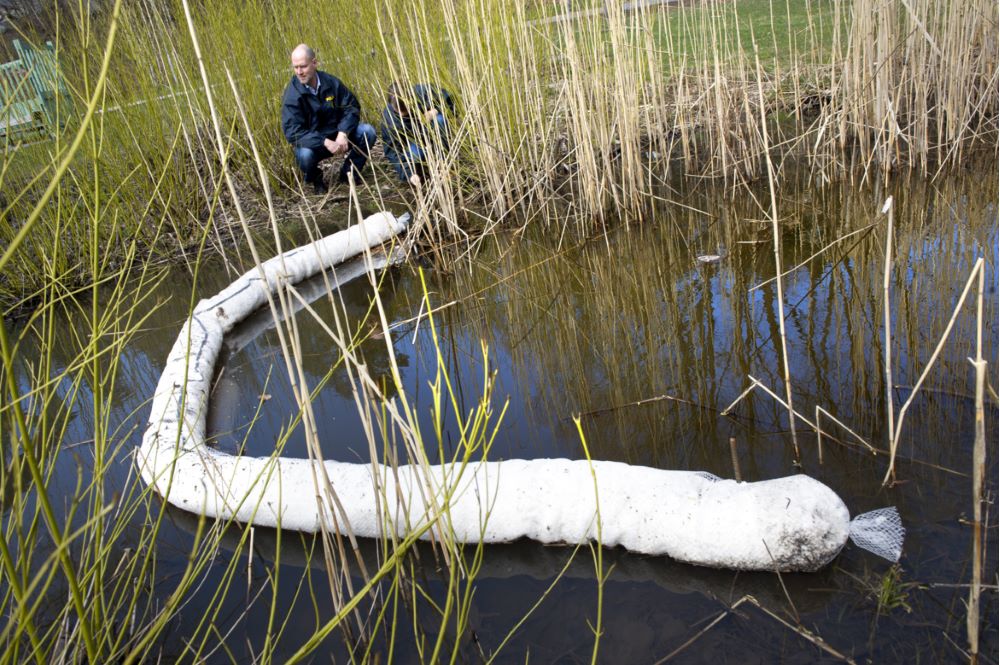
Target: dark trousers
{"x": 411, "y": 157}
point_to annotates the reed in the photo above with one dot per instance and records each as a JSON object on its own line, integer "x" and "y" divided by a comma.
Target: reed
{"x": 978, "y": 482}
{"x": 779, "y": 291}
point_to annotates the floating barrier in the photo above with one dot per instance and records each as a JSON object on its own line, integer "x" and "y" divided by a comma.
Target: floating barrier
{"x": 786, "y": 524}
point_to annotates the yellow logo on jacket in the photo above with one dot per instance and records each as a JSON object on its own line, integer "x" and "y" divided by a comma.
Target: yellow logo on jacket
{"x": 329, "y": 99}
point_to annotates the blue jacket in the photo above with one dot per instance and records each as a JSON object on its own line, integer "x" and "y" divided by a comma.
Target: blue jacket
{"x": 399, "y": 131}
{"x": 308, "y": 119}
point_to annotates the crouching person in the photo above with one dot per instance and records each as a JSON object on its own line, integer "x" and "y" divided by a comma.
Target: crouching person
{"x": 321, "y": 118}
{"x": 413, "y": 123}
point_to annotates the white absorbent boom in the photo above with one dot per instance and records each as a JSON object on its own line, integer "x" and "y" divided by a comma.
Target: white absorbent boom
{"x": 787, "y": 524}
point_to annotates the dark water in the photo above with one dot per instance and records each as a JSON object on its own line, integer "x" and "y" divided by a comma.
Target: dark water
{"x": 649, "y": 345}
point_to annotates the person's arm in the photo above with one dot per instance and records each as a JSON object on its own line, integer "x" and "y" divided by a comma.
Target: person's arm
{"x": 293, "y": 123}
{"x": 433, "y": 98}
{"x": 432, "y": 101}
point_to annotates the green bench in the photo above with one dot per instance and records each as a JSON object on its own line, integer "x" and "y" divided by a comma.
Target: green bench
{"x": 28, "y": 89}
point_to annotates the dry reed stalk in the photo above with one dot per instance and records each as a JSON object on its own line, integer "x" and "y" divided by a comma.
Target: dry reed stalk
{"x": 909, "y": 83}
{"x": 735, "y": 459}
{"x": 978, "y": 483}
{"x": 820, "y": 410}
{"x": 819, "y": 436}
{"x": 776, "y": 237}
{"x": 911, "y": 86}
{"x": 813, "y": 256}
{"x": 800, "y": 630}
{"x": 894, "y": 443}
{"x": 694, "y": 638}
{"x": 755, "y": 383}
{"x": 887, "y": 209}
{"x": 739, "y": 398}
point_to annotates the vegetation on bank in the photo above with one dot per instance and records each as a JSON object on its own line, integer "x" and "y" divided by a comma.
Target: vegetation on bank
{"x": 592, "y": 114}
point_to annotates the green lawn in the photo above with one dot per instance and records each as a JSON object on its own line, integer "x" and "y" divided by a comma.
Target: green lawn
{"x": 784, "y": 32}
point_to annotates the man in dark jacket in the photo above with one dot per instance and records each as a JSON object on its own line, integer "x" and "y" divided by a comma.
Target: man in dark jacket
{"x": 413, "y": 122}
{"x": 321, "y": 118}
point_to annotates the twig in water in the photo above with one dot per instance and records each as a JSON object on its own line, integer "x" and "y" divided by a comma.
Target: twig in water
{"x": 784, "y": 589}
{"x": 802, "y": 631}
{"x": 722, "y": 615}
{"x": 641, "y": 402}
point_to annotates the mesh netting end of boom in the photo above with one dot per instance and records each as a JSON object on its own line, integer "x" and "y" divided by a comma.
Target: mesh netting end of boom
{"x": 880, "y": 532}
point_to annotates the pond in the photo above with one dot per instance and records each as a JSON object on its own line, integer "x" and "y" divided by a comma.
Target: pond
{"x": 648, "y": 345}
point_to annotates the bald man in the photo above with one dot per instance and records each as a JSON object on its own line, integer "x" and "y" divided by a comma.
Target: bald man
{"x": 321, "y": 118}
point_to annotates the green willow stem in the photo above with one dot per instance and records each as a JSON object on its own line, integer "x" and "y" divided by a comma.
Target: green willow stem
{"x": 25, "y": 617}
{"x": 96, "y": 99}
{"x": 43, "y": 498}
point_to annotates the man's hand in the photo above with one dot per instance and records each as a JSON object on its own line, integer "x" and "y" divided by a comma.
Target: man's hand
{"x": 336, "y": 146}
{"x": 415, "y": 180}
{"x": 430, "y": 115}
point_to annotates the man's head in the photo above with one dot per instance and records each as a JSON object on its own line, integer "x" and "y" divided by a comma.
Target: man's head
{"x": 304, "y": 64}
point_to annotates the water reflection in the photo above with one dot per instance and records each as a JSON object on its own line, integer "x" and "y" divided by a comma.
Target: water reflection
{"x": 649, "y": 345}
